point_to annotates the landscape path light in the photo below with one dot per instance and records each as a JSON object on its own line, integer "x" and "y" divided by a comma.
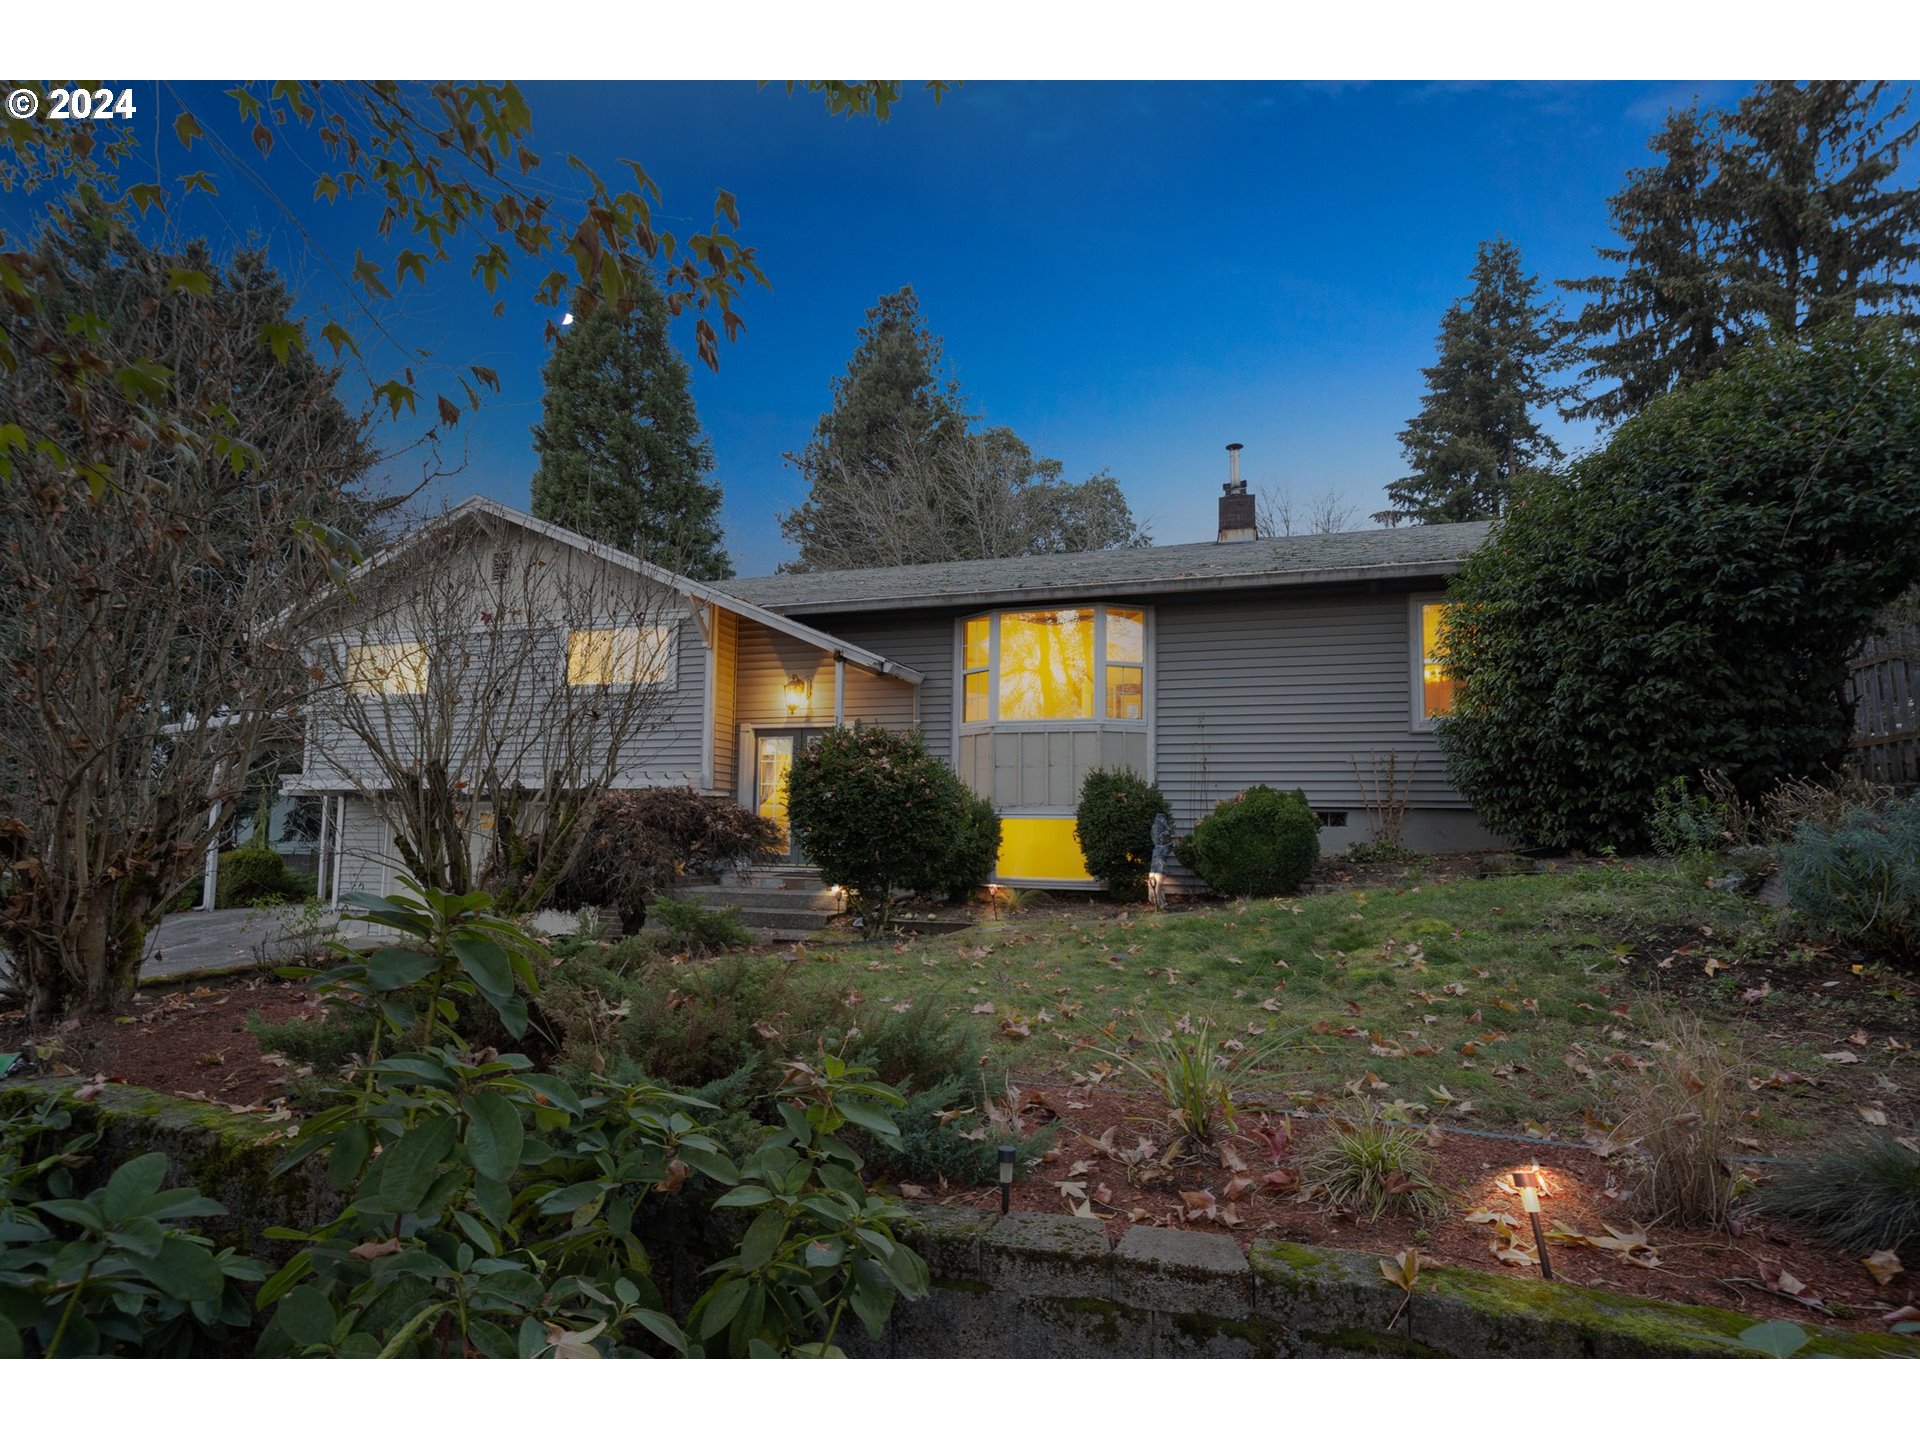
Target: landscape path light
{"x": 1006, "y": 1178}
{"x": 1528, "y": 1181}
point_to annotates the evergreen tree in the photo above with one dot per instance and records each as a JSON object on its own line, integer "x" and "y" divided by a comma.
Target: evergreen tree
{"x": 894, "y": 401}
{"x": 1818, "y": 233}
{"x": 1771, "y": 219}
{"x": 622, "y": 459}
{"x": 1666, "y": 316}
{"x": 1475, "y": 434}
{"x": 896, "y": 476}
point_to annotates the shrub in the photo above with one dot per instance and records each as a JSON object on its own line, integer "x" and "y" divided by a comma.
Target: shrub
{"x": 693, "y": 928}
{"x": 1679, "y": 1123}
{"x": 1681, "y": 822}
{"x": 1114, "y": 825}
{"x": 1859, "y": 879}
{"x": 976, "y": 848}
{"x": 642, "y": 843}
{"x": 941, "y": 1141}
{"x": 1261, "y": 842}
{"x": 876, "y": 813}
{"x": 253, "y": 873}
{"x": 1371, "y": 1166}
{"x": 1688, "y": 596}
{"x": 330, "y": 1042}
{"x": 1859, "y": 1196}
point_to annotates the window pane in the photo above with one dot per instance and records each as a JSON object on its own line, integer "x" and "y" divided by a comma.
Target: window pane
{"x": 621, "y": 655}
{"x": 1126, "y": 636}
{"x": 976, "y": 649}
{"x": 1436, "y": 684}
{"x": 1046, "y": 665}
{"x": 1124, "y": 700}
{"x": 1040, "y": 848}
{"x": 976, "y": 707}
{"x": 396, "y": 669}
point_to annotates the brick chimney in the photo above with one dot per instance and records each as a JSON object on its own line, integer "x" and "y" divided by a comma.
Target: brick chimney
{"x": 1236, "y": 505}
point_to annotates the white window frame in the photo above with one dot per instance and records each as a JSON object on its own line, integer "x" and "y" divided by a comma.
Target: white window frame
{"x": 1418, "y": 719}
{"x": 1097, "y": 681}
{"x": 668, "y": 624}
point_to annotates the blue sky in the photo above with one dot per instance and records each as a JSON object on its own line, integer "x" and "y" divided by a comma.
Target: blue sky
{"x": 1129, "y": 275}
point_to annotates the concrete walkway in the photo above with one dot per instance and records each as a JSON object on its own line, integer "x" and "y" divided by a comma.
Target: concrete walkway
{"x": 192, "y": 941}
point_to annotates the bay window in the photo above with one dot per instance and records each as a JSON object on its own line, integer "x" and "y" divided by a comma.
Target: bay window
{"x": 1033, "y": 666}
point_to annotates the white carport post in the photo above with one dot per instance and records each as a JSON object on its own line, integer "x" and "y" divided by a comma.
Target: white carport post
{"x": 210, "y": 882}
{"x": 839, "y": 690}
{"x": 320, "y": 867}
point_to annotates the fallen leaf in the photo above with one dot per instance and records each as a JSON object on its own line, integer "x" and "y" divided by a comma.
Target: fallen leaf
{"x": 1883, "y": 1265}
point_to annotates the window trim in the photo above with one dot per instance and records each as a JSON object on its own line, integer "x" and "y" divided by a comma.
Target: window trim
{"x": 1418, "y": 720}
{"x": 1097, "y": 679}
{"x": 670, "y": 624}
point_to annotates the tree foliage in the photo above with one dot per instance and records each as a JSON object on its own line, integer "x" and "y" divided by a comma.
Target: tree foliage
{"x": 1780, "y": 215}
{"x": 896, "y": 476}
{"x": 622, "y": 458}
{"x": 1475, "y": 435}
{"x": 1685, "y": 600}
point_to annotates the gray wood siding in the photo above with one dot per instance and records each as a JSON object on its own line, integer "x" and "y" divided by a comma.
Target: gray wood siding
{"x": 879, "y": 700}
{"x": 367, "y": 862}
{"x": 726, "y": 650}
{"x": 766, "y": 659}
{"x": 1286, "y": 691}
{"x": 923, "y": 641}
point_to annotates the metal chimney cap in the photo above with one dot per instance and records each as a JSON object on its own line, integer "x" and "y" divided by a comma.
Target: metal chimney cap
{"x": 1236, "y": 445}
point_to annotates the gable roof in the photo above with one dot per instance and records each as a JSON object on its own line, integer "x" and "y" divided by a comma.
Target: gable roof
{"x": 695, "y": 589}
{"x": 1414, "y": 552}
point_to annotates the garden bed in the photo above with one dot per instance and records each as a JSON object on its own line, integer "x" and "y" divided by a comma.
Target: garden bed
{"x": 1591, "y": 1196}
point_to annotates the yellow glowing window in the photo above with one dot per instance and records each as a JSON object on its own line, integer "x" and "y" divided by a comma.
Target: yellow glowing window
{"x": 976, "y": 697}
{"x": 1046, "y": 665}
{"x": 395, "y": 669}
{"x": 977, "y": 643}
{"x": 1040, "y": 848}
{"x": 1436, "y": 685}
{"x": 619, "y": 655}
{"x": 1126, "y": 636}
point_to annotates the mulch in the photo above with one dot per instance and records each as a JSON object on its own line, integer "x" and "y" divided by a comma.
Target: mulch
{"x": 1750, "y": 1271}
{"x": 186, "y": 1040}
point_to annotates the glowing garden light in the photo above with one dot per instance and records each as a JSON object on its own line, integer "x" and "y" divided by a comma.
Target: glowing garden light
{"x": 1006, "y": 1178}
{"x": 1530, "y": 1185}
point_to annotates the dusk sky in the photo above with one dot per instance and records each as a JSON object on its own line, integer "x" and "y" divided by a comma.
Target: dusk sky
{"x": 1129, "y": 275}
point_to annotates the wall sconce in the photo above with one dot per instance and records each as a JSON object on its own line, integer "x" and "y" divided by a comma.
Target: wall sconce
{"x": 1006, "y": 1178}
{"x": 1530, "y": 1184}
{"x": 799, "y": 693}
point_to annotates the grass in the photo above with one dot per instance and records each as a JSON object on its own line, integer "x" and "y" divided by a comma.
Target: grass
{"x": 1499, "y": 1002}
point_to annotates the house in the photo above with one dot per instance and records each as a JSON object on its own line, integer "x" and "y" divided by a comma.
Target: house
{"x": 1304, "y": 662}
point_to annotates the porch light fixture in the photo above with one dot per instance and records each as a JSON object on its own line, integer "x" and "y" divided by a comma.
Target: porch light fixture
{"x": 1006, "y": 1178}
{"x": 1529, "y": 1183}
{"x": 799, "y": 692}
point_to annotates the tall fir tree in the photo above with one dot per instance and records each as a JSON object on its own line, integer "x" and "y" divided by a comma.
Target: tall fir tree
{"x": 895, "y": 400}
{"x": 1818, "y": 234}
{"x": 1769, "y": 219}
{"x": 1475, "y": 435}
{"x": 1666, "y": 315}
{"x": 622, "y": 457}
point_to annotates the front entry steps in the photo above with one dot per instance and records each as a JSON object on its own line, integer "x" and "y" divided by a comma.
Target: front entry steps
{"x": 784, "y": 904}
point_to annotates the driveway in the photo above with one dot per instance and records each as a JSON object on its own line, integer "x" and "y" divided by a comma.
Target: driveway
{"x": 191, "y": 941}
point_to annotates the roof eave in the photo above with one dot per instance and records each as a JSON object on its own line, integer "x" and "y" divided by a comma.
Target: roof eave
{"x": 1108, "y": 589}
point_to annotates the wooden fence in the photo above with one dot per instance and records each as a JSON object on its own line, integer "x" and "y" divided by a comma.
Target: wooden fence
{"x": 1885, "y": 688}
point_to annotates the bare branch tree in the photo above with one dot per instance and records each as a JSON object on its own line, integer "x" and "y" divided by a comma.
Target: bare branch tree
{"x": 1277, "y": 513}
{"x": 143, "y": 546}
{"x": 486, "y": 687}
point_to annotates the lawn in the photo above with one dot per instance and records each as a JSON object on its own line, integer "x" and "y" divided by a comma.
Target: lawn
{"x": 1519, "y": 1002}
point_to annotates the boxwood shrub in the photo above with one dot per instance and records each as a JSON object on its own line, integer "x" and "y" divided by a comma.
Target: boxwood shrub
{"x": 1114, "y": 825}
{"x": 1261, "y": 842}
